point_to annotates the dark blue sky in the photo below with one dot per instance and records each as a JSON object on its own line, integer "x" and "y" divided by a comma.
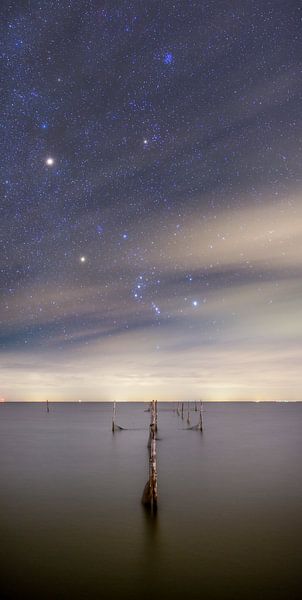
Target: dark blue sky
{"x": 150, "y": 199}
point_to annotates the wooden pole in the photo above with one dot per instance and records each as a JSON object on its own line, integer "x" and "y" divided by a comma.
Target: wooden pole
{"x": 113, "y": 417}
{"x": 149, "y": 497}
{"x": 200, "y": 425}
{"x": 195, "y": 406}
{"x": 151, "y": 423}
{"x": 182, "y": 410}
{"x": 47, "y": 406}
{"x": 153, "y": 468}
{"x": 188, "y": 417}
{"x": 153, "y": 419}
{"x": 177, "y": 410}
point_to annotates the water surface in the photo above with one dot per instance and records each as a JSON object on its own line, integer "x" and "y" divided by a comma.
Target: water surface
{"x": 229, "y": 518}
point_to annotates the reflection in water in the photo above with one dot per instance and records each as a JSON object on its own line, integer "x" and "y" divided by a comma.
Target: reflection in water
{"x": 150, "y": 564}
{"x": 151, "y": 526}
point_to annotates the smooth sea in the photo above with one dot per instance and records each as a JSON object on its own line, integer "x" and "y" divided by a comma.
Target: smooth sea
{"x": 229, "y": 521}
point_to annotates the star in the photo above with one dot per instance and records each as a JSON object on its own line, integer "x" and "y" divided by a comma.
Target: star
{"x": 168, "y": 58}
{"x": 50, "y": 161}
{"x": 83, "y": 259}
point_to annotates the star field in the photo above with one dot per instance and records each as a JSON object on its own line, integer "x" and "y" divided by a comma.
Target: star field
{"x": 151, "y": 218}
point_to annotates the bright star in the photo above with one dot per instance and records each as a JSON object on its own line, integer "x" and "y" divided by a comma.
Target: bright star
{"x": 50, "y": 161}
{"x": 83, "y": 259}
{"x": 195, "y": 303}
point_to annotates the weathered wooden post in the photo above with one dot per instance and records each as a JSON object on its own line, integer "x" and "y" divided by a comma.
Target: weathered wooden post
{"x": 113, "y": 417}
{"x": 200, "y": 424}
{"x": 152, "y": 422}
{"x": 153, "y": 466}
{"x": 115, "y": 427}
{"x": 149, "y": 498}
{"x": 47, "y": 406}
{"x": 155, "y": 415}
{"x": 188, "y": 417}
{"x": 177, "y": 410}
{"x": 195, "y": 406}
{"x": 182, "y": 410}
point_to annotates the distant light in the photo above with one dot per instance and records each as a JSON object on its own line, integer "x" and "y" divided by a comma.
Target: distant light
{"x": 83, "y": 259}
{"x": 195, "y": 303}
{"x": 50, "y": 161}
{"x": 145, "y": 142}
{"x": 125, "y": 236}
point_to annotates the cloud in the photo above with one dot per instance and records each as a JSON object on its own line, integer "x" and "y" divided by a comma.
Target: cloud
{"x": 241, "y": 339}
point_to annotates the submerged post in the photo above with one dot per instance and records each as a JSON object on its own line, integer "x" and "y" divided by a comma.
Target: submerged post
{"x": 188, "y": 417}
{"x": 47, "y": 406}
{"x": 195, "y": 406}
{"x": 200, "y": 424}
{"x": 153, "y": 419}
{"x": 113, "y": 417}
{"x": 177, "y": 410}
{"x": 149, "y": 498}
{"x": 182, "y": 410}
{"x": 153, "y": 468}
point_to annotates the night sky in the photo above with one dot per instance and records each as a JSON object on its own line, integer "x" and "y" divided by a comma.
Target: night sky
{"x": 151, "y": 217}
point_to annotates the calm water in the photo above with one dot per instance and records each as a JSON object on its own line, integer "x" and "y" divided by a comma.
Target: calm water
{"x": 230, "y": 504}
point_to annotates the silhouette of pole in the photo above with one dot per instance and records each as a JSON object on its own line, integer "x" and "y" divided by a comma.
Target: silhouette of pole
{"x": 113, "y": 417}
{"x": 149, "y": 498}
{"x": 47, "y": 406}
{"x": 200, "y": 424}
{"x": 188, "y": 417}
